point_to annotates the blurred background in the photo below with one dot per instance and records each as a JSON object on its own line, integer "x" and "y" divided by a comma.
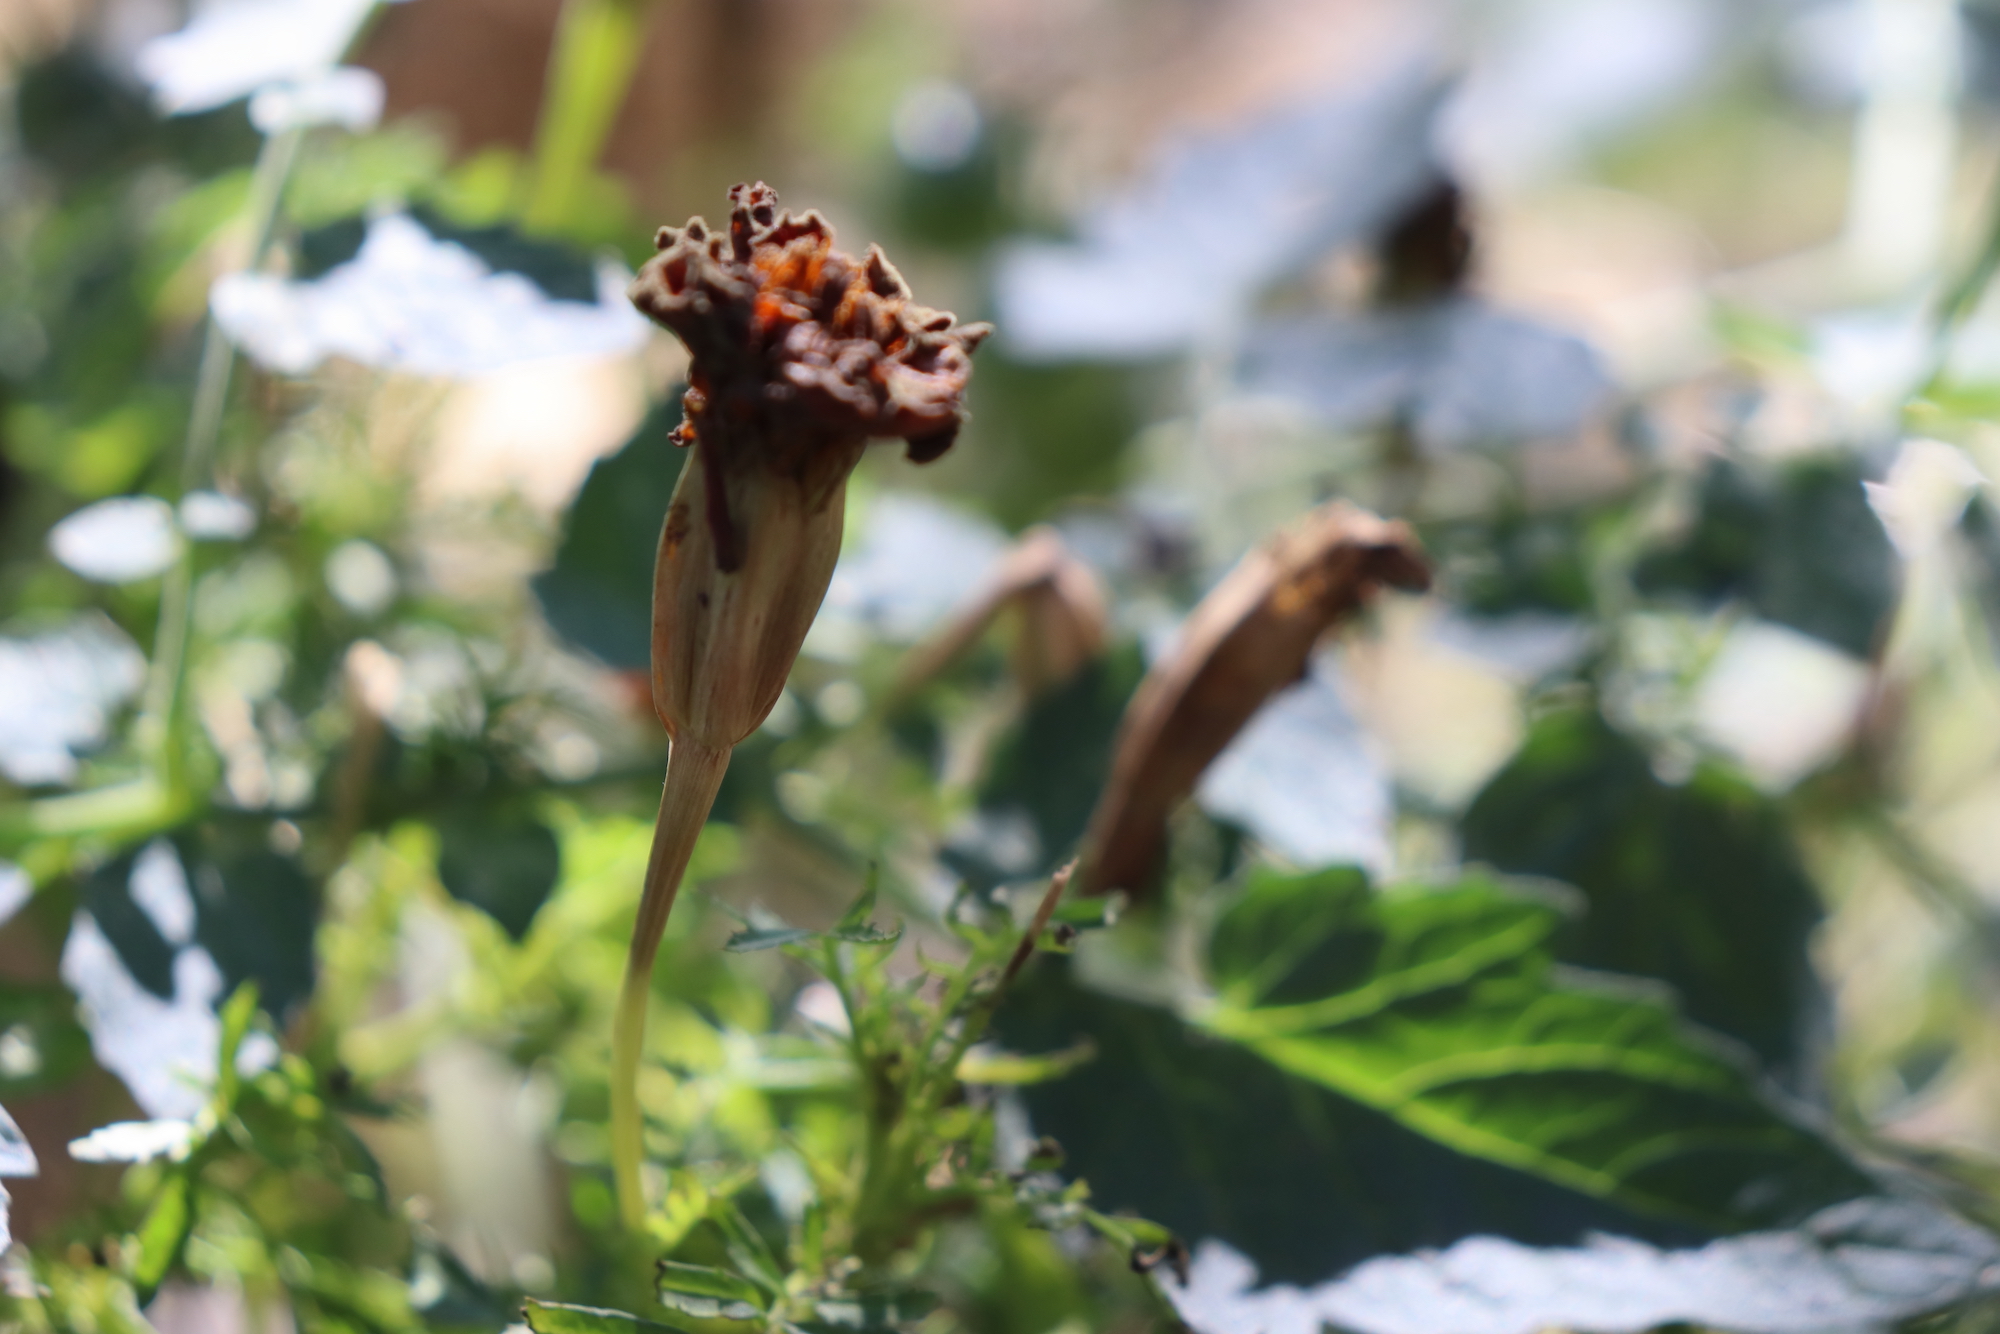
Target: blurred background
{"x": 332, "y": 461}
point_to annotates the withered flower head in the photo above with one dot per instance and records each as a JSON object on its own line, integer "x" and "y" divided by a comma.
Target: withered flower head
{"x": 800, "y": 353}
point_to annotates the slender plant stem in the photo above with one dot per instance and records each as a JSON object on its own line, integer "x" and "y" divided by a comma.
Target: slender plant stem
{"x": 590, "y": 69}
{"x": 160, "y": 724}
{"x": 694, "y": 775}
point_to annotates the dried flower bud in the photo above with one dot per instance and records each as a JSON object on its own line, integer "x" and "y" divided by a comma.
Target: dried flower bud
{"x": 799, "y": 355}
{"x": 1248, "y": 639}
{"x": 1063, "y": 609}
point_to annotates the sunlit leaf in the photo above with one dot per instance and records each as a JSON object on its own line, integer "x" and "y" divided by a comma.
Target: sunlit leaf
{"x": 1868, "y": 1264}
{"x": 1440, "y": 1007}
{"x": 133, "y": 1142}
{"x": 699, "y": 1290}
{"x": 409, "y": 302}
{"x": 1238, "y": 209}
{"x": 980, "y": 1066}
{"x": 164, "y": 1233}
{"x": 556, "y": 1318}
{"x": 1458, "y": 373}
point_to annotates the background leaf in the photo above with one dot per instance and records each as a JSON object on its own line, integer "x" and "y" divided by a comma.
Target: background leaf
{"x": 599, "y": 593}
{"x": 1698, "y": 885}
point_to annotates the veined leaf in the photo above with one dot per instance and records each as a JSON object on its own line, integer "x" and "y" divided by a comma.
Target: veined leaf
{"x": 1395, "y": 1072}
{"x": 1697, "y": 885}
{"x": 1442, "y": 1008}
{"x": 699, "y": 1290}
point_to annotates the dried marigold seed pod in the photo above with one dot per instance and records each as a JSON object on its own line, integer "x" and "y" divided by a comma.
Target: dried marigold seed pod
{"x": 799, "y": 355}
{"x": 1247, "y": 640}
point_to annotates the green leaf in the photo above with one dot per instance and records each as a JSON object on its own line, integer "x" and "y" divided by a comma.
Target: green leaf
{"x": 859, "y": 911}
{"x": 746, "y": 1246}
{"x": 699, "y": 1290}
{"x": 1280, "y": 943}
{"x": 1798, "y": 542}
{"x": 599, "y": 593}
{"x": 1051, "y": 769}
{"x": 854, "y": 926}
{"x": 1210, "y": 1140}
{"x": 256, "y": 910}
{"x": 752, "y": 939}
{"x": 979, "y": 1067}
{"x": 503, "y": 862}
{"x": 868, "y": 934}
{"x": 164, "y": 1233}
{"x": 873, "y": 1311}
{"x": 1099, "y": 910}
{"x": 556, "y": 1318}
{"x": 596, "y": 50}
{"x": 238, "y": 1013}
{"x": 53, "y": 1045}
{"x": 1440, "y": 1006}
{"x": 1698, "y": 885}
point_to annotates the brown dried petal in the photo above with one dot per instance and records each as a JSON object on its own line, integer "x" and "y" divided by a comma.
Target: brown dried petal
{"x": 1249, "y": 638}
{"x": 798, "y": 349}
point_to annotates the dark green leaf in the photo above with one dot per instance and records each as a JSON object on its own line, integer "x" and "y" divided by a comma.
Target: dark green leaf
{"x": 599, "y": 593}
{"x": 106, "y": 894}
{"x": 868, "y": 934}
{"x": 53, "y": 1046}
{"x": 1212, "y": 1141}
{"x": 1279, "y": 943}
{"x": 1697, "y": 885}
{"x": 256, "y": 910}
{"x": 874, "y": 1311}
{"x": 1457, "y": 1025}
{"x": 1049, "y": 771}
{"x": 503, "y": 861}
{"x": 864, "y": 904}
{"x": 748, "y": 1250}
{"x": 699, "y": 1290}
{"x": 1799, "y": 543}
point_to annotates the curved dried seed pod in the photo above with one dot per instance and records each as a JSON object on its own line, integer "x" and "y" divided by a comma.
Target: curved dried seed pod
{"x": 1247, "y": 640}
{"x": 1064, "y": 612}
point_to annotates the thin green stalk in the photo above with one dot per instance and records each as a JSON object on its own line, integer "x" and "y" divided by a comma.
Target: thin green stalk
{"x": 590, "y": 68}
{"x": 160, "y": 722}
{"x": 694, "y": 775}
